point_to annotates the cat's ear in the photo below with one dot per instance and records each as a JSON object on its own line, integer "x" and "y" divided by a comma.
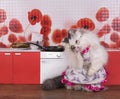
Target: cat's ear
{"x": 83, "y": 31}
{"x": 72, "y": 31}
{"x": 66, "y": 40}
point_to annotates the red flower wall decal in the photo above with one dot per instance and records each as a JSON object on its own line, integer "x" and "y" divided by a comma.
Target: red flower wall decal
{"x": 3, "y": 16}
{"x": 118, "y": 43}
{"x": 114, "y": 37}
{"x": 22, "y": 39}
{"x": 2, "y": 45}
{"x": 113, "y": 45}
{"x": 30, "y": 37}
{"x": 45, "y": 30}
{"x": 45, "y": 37}
{"x": 3, "y": 30}
{"x": 15, "y": 26}
{"x": 64, "y": 33}
{"x": 46, "y": 43}
{"x": 102, "y": 14}
{"x": 57, "y": 36}
{"x": 86, "y": 23}
{"x": 104, "y": 44}
{"x": 34, "y": 16}
{"x": 104, "y": 30}
{"x": 12, "y": 38}
{"x": 100, "y": 33}
{"x": 74, "y": 26}
{"x": 46, "y": 21}
{"x": 116, "y": 24}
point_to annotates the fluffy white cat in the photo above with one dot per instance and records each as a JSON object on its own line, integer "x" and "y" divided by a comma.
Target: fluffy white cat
{"x": 86, "y": 59}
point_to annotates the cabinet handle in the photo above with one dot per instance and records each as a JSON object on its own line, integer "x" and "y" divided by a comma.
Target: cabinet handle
{"x": 7, "y": 54}
{"x": 42, "y": 61}
{"x": 17, "y": 54}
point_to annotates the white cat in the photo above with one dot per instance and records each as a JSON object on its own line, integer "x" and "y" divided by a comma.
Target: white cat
{"x": 86, "y": 59}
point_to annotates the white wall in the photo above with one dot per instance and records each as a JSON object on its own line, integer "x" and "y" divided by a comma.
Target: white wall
{"x": 63, "y": 13}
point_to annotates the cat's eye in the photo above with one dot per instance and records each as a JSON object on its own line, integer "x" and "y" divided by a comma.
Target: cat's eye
{"x": 77, "y": 42}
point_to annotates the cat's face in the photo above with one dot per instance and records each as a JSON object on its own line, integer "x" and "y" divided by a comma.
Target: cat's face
{"x": 74, "y": 39}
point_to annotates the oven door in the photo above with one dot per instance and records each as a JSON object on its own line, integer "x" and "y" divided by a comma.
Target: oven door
{"x": 51, "y": 68}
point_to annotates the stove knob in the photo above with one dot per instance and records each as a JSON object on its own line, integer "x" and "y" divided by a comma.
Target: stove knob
{"x": 59, "y": 55}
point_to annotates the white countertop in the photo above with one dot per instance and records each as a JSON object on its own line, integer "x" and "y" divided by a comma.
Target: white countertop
{"x": 18, "y": 50}
{"x": 37, "y": 50}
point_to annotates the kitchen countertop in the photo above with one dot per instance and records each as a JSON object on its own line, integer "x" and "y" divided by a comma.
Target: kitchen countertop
{"x": 18, "y": 50}
{"x": 37, "y": 50}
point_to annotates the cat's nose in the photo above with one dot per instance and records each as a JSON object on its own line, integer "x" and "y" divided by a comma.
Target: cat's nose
{"x": 72, "y": 47}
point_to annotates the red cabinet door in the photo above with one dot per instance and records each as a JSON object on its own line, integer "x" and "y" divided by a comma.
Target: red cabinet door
{"x": 5, "y": 67}
{"x": 113, "y": 68}
{"x": 26, "y": 68}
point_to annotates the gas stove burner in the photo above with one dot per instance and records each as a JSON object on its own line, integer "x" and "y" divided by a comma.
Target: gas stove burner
{"x": 54, "y": 48}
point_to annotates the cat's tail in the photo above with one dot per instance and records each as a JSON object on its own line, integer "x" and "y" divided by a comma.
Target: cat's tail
{"x": 53, "y": 83}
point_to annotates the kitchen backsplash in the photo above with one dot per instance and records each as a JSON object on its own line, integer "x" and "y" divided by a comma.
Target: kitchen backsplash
{"x": 49, "y": 20}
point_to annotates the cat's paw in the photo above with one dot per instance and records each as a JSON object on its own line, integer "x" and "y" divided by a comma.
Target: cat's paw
{"x": 91, "y": 72}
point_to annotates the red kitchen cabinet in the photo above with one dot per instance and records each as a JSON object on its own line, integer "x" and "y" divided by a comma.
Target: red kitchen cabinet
{"x": 26, "y": 68}
{"x": 113, "y": 68}
{"x": 6, "y": 67}
{"x": 20, "y": 67}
